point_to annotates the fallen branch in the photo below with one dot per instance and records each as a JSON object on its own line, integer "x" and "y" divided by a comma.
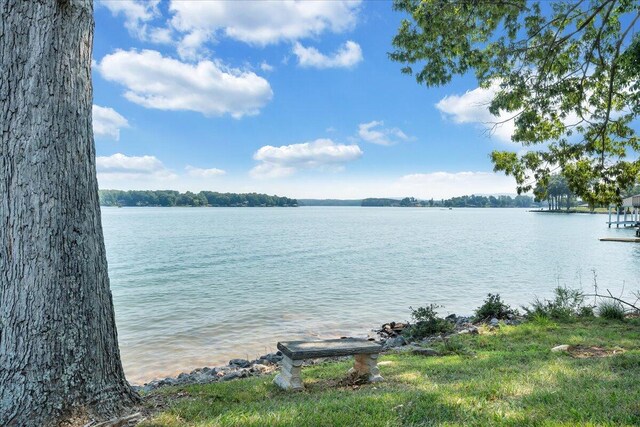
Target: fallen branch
{"x": 610, "y": 296}
{"x": 119, "y": 422}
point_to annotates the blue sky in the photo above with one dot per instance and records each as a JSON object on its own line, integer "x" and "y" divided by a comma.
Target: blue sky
{"x": 295, "y": 99}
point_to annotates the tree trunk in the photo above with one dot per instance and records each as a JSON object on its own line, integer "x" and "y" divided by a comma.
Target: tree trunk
{"x": 58, "y": 340}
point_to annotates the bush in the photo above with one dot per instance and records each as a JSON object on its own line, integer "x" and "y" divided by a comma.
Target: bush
{"x": 427, "y": 322}
{"x": 586, "y": 311}
{"x": 542, "y": 320}
{"x": 611, "y": 310}
{"x": 567, "y": 303}
{"x": 493, "y": 306}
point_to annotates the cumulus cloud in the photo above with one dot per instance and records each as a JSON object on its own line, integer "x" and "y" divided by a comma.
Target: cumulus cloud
{"x": 137, "y": 15}
{"x": 473, "y": 107}
{"x": 107, "y": 122}
{"x": 347, "y": 56}
{"x": 120, "y": 168}
{"x": 319, "y": 154}
{"x": 266, "y": 67}
{"x": 208, "y": 87}
{"x": 203, "y": 173}
{"x": 374, "y": 133}
{"x": 258, "y": 22}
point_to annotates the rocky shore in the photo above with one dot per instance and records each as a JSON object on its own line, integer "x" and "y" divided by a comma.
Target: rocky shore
{"x": 390, "y": 336}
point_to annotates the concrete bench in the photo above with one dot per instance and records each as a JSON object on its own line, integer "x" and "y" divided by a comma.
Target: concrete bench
{"x": 294, "y": 352}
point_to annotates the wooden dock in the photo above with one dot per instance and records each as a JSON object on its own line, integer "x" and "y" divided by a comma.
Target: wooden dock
{"x": 621, "y": 239}
{"x": 631, "y": 207}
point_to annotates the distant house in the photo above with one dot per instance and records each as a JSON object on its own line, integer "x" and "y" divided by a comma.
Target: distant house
{"x": 631, "y": 202}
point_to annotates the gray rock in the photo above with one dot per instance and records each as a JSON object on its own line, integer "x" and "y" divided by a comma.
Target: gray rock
{"x": 558, "y": 348}
{"x": 394, "y": 342}
{"x": 469, "y": 330}
{"x": 232, "y": 376}
{"x": 272, "y": 358}
{"x": 167, "y": 381}
{"x": 460, "y": 321}
{"x": 259, "y": 368}
{"x": 494, "y": 322}
{"x": 242, "y": 363}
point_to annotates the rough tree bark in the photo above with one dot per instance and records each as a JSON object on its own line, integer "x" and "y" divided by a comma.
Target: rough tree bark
{"x": 58, "y": 341}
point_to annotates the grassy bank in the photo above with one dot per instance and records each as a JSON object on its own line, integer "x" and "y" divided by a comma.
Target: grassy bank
{"x": 504, "y": 377}
{"x": 579, "y": 209}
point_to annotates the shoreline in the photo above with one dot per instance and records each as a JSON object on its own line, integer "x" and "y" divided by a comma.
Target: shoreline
{"x": 564, "y": 211}
{"x": 389, "y": 335}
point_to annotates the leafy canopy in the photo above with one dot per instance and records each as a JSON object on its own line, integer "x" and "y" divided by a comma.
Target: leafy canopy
{"x": 566, "y": 72}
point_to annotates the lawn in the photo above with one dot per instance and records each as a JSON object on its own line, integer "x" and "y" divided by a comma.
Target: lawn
{"x": 504, "y": 377}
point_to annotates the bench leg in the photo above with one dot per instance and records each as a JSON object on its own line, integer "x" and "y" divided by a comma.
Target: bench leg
{"x": 289, "y": 376}
{"x": 367, "y": 365}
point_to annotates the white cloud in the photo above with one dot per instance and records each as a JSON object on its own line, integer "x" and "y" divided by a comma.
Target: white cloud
{"x": 259, "y": 22}
{"x": 347, "y": 56}
{"x": 137, "y": 14}
{"x": 266, "y": 67}
{"x": 159, "y": 82}
{"x": 120, "y": 169}
{"x": 287, "y": 159}
{"x": 203, "y": 173}
{"x": 473, "y": 107}
{"x": 373, "y": 132}
{"x": 107, "y": 122}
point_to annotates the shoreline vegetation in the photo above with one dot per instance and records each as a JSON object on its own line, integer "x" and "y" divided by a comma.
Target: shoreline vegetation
{"x": 172, "y": 198}
{"x": 562, "y": 362}
{"x": 577, "y": 210}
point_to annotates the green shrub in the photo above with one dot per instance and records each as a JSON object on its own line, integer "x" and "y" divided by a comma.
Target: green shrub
{"x": 493, "y": 306}
{"x": 567, "y": 303}
{"x": 542, "y": 320}
{"x": 586, "y": 311}
{"x": 611, "y": 310}
{"x": 427, "y": 323}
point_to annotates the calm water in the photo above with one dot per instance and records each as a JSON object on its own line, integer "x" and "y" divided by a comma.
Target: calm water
{"x": 195, "y": 287}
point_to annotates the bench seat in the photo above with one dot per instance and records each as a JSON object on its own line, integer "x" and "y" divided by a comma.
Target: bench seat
{"x": 301, "y": 350}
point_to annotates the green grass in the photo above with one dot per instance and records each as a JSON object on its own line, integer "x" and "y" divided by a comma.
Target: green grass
{"x": 508, "y": 377}
{"x": 596, "y": 210}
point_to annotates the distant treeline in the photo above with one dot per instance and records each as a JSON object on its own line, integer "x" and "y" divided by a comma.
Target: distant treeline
{"x": 203, "y": 198}
{"x": 458, "y": 202}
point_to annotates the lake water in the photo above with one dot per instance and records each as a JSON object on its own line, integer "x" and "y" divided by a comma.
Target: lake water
{"x": 196, "y": 287}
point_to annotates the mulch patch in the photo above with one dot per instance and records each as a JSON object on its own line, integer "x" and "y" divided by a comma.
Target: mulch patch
{"x": 584, "y": 352}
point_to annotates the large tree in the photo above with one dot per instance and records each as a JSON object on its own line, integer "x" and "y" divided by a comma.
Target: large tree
{"x": 58, "y": 342}
{"x": 566, "y": 72}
